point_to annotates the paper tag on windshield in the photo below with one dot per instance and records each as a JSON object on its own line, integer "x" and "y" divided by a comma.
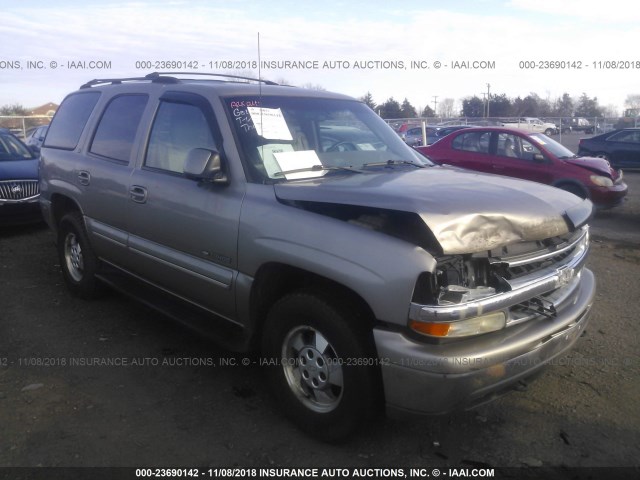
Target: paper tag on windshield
{"x": 268, "y": 154}
{"x": 270, "y": 123}
{"x": 298, "y": 160}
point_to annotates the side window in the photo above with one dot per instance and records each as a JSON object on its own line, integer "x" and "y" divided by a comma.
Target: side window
{"x": 70, "y": 120}
{"x": 513, "y": 146}
{"x": 118, "y": 126}
{"x": 177, "y": 129}
{"x": 628, "y": 136}
{"x": 473, "y": 142}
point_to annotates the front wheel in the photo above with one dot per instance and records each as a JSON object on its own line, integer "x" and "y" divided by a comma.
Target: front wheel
{"x": 573, "y": 188}
{"x": 322, "y": 367}
{"x": 548, "y": 132}
{"x": 78, "y": 262}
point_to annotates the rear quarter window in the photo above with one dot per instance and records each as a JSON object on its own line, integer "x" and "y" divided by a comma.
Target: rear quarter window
{"x": 70, "y": 120}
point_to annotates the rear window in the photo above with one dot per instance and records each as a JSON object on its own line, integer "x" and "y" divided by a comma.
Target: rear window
{"x": 70, "y": 120}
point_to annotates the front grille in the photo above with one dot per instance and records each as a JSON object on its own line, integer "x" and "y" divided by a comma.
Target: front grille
{"x": 555, "y": 253}
{"x": 18, "y": 190}
{"x": 525, "y": 267}
{"x": 531, "y": 267}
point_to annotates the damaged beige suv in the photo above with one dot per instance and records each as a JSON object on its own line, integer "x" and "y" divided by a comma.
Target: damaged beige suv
{"x": 297, "y": 224}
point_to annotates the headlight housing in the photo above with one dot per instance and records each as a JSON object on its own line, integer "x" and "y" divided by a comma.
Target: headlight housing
{"x": 601, "y": 181}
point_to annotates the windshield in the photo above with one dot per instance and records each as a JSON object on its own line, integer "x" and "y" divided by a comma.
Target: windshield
{"x": 554, "y": 147}
{"x": 12, "y": 149}
{"x": 286, "y": 134}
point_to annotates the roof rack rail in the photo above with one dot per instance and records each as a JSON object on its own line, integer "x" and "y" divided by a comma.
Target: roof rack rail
{"x": 222, "y": 75}
{"x": 163, "y": 77}
{"x": 116, "y": 81}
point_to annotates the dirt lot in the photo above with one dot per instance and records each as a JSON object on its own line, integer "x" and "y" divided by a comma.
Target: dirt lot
{"x": 165, "y": 410}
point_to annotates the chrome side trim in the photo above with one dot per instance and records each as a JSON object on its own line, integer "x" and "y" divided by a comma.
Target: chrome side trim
{"x": 202, "y": 269}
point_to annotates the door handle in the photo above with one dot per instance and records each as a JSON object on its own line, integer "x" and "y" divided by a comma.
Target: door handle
{"x": 138, "y": 194}
{"x": 84, "y": 177}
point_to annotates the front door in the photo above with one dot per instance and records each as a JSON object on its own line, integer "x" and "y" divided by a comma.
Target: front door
{"x": 184, "y": 232}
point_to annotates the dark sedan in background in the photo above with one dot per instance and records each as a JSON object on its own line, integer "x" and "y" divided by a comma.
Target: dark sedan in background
{"x": 35, "y": 137}
{"x": 413, "y": 136}
{"x": 19, "y": 191}
{"x": 621, "y": 147}
{"x": 530, "y": 156}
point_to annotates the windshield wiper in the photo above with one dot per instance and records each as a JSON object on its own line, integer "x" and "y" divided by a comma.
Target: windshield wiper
{"x": 317, "y": 168}
{"x": 389, "y": 163}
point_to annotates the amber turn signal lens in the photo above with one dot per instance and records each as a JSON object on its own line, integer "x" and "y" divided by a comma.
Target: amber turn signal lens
{"x": 433, "y": 329}
{"x": 461, "y": 328}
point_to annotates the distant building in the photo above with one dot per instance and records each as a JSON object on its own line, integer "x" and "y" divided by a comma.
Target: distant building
{"x": 47, "y": 109}
{"x": 19, "y": 124}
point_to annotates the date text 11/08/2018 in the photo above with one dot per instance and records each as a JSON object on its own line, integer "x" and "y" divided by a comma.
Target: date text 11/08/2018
{"x": 314, "y": 472}
{"x": 578, "y": 65}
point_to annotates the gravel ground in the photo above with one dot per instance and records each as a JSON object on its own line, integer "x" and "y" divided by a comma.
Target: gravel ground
{"x": 163, "y": 410}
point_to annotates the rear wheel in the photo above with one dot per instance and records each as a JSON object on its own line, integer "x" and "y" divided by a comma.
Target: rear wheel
{"x": 78, "y": 262}
{"x": 322, "y": 365}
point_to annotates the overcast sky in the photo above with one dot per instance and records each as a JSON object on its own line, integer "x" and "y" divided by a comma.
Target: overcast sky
{"x": 506, "y": 32}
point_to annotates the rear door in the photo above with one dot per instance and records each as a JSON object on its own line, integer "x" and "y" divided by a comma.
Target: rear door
{"x": 103, "y": 175}
{"x": 471, "y": 150}
{"x": 183, "y": 233}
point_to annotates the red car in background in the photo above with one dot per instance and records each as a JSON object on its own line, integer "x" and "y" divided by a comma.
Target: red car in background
{"x": 530, "y": 156}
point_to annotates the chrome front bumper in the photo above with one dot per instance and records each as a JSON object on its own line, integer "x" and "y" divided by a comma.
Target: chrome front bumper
{"x": 426, "y": 378}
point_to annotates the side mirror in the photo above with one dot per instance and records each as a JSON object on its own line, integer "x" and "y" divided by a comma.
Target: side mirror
{"x": 538, "y": 158}
{"x": 205, "y": 165}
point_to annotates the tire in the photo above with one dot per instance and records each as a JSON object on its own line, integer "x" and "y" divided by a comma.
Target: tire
{"x": 573, "y": 188}
{"x": 602, "y": 155}
{"x": 319, "y": 384}
{"x": 548, "y": 132}
{"x": 78, "y": 261}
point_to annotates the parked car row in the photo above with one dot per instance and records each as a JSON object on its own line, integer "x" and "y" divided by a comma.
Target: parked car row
{"x": 530, "y": 156}
{"x": 413, "y": 136}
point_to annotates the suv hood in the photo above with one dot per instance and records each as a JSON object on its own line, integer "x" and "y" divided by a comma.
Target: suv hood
{"x": 466, "y": 212}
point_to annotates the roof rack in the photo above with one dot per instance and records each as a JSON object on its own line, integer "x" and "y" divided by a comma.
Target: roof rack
{"x": 163, "y": 77}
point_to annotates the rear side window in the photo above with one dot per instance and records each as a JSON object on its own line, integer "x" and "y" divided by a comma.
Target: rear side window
{"x": 71, "y": 117}
{"x": 472, "y": 142}
{"x": 625, "y": 136}
{"x": 118, "y": 126}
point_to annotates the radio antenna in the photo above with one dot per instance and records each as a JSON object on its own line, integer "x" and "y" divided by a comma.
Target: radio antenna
{"x": 260, "y": 96}
{"x": 259, "y": 70}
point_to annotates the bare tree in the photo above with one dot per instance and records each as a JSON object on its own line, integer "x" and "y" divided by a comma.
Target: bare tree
{"x": 611, "y": 111}
{"x": 632, "y": 101}
{"x": 446, "y": 108}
